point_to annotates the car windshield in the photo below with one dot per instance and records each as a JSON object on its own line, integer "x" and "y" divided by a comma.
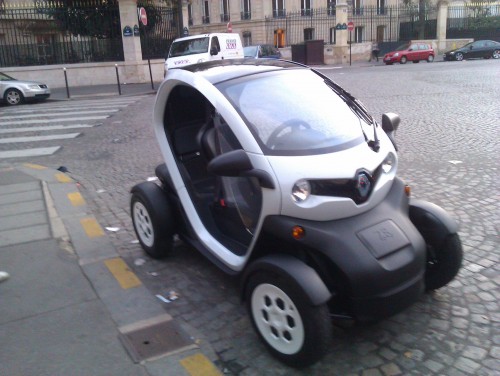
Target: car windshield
{"x": 294, "y": 112}
{"x": 4, "y": 77}
{"x": 250, "y": 51}
{"x": 189, "y": 47}
{"x": 402, "y": 47}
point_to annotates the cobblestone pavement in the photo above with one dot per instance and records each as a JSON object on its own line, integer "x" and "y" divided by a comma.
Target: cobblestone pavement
{"x": 449, "y": 154}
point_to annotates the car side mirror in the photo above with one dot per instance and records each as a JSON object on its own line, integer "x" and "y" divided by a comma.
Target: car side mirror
{"x": 213, "y": 51}
{"x": 470, "y": 47}
{"x": 390, "y": 123}
{"x": 236, "y": 163}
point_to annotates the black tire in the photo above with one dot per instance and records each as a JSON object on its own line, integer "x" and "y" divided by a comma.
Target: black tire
{"x": 496, "y": 54}
{"x": 13, "y": 97}
{"x": 459, "y": 56}
{"x": 152, "y": 219}
{"x": 299, "y": 334}
{"x": 443, "y": 262}
{"x": 403, "y": 60}
{"x": 430, "y": 58}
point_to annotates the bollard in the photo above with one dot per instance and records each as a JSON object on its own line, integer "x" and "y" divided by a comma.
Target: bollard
{"x": 118, "y": 80}
{"x": 66, "y": 80}
{"x": 151, "y": 74}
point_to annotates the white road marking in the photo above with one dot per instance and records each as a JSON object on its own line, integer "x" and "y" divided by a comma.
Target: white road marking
{"x": 34, "y": 152}
{"x": 11, "y": 140}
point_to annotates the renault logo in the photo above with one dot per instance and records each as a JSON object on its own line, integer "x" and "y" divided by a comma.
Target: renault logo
{"x": 363, "y": 185}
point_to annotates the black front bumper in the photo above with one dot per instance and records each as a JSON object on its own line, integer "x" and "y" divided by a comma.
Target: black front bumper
{"x": 373, "y": 262}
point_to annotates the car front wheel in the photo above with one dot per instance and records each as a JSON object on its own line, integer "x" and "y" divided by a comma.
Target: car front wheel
{"x": 459, "y": 56}
{"x": 403, "y": 60}
{"x": 293, "y": 330}
{"x": 152, "y": 219}
{"x": 13, "y": 97}
{"x": 443, "y": 262}
{"x": 496, "y": 54}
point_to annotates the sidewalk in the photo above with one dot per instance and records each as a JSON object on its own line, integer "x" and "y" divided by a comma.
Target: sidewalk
{"x": 71, "y": 305}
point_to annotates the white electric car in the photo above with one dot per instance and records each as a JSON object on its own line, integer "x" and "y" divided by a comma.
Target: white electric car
{"x": 276, "y": 173}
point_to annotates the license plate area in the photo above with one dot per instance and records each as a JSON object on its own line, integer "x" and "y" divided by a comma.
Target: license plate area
{"x": 383, "y": 238}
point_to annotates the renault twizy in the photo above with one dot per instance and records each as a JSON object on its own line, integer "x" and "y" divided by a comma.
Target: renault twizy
{"x": 277, "y": 174}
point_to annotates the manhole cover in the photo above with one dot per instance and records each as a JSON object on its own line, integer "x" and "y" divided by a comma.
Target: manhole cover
{"x": 151, "y": 339}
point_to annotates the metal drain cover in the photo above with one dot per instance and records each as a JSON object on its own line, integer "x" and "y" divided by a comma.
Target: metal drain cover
{"x": 154, "y": 338}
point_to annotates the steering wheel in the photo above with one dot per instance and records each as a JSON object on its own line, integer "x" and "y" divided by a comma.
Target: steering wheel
{"x": 294, "y": 124}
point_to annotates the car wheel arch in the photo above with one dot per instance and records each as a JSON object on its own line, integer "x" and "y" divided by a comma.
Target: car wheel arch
{"x": 304, "y": 276}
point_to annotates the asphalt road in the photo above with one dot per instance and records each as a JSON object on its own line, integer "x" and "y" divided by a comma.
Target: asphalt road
{"x": 449, "y": 154}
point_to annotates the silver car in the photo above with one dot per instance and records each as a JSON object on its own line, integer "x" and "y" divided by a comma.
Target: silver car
{"x": 15, "y": 92}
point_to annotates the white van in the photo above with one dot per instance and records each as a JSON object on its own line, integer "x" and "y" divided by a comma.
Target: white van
{"x": 204, "y": 47}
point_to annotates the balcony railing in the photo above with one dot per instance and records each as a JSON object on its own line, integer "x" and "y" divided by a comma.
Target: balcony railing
{"x": 246, "y": 15}
{"x": 279, "y": 13}
{"x": 224, "y": 18}
{"x": 205, "y": 19}
{"x": 306, "y": 12}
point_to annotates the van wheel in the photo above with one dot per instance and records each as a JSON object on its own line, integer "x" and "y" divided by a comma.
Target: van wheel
{"x": 152, "y": 219}
{"x": 443, "y": 262}
{"x": 294, "y": 331}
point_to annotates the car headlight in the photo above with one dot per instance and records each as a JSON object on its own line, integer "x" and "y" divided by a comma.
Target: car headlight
{"x": 396, "y": 54}
{"x": 301, "y": 191}
{"x": 389, "y": 163}
{"x": 33, "y": 87}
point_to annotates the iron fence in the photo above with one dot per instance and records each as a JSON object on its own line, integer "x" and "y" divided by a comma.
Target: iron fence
{"x": 162, "y": 28}
{"x": 51, "y": 32}
{"x": 384, "y": 24}
{"x": 475, "y": 20}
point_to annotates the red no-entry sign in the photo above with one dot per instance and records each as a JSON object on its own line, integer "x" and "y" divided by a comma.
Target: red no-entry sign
{"x": 143, "y": 16}
{"x": 350, "y": 26}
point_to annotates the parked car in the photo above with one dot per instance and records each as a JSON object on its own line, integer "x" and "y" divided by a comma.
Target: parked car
{"x": 14, "y": 92}
{"x": 410, "y": 52}
{"x": 262, "y": 51}
{"x": 278, "y": 175}
{"x": 475, "y": 50}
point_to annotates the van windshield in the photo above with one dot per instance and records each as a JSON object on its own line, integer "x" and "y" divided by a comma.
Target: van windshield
{"x": 189, "y": 47}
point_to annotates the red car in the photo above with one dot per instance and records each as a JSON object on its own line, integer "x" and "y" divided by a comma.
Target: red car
{"x": 412, "y": 52}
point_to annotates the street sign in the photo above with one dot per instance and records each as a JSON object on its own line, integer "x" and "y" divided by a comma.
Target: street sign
{"x": 350, "y": 26}
{"x": 229, "y": 27}
{"x": 143, "y": 16}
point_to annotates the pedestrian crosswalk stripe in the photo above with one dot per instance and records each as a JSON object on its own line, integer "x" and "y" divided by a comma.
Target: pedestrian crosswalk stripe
{"x": 45, "y": 121}
{"x": 46, "y": 128}
{"x": 33, "y": 152}
{"x": 12, "y": 140}
{"x": 41, "y": 114}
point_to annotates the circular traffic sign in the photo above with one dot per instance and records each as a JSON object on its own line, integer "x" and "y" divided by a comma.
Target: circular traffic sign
{"x": 350, "y": 26}
{"x": 143, "y": 16}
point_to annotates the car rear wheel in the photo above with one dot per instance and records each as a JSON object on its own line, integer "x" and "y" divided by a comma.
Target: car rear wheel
{"x": 430, "y": 58}
{"x": 152, "y": 219}
{"x": 13, "y": 97}
{"x": 459, "y": 56}
{"x": 403, "y": 60}
{"x": 293, "y": 330}
{"x": 496, "y": 54}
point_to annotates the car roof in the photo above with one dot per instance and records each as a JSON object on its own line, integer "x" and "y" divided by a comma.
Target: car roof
{"x": 222, "y": 70}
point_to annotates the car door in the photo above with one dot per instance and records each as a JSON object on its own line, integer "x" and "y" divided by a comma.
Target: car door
{"x": 413, "y": 52}
{"x": 474, "y": 50}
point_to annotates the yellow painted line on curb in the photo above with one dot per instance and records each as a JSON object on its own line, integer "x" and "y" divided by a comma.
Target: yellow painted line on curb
{"x": 199, "y": 365}
{"x": 91, "y": 227}
{"x": 76, "y": 199}
{"x": 63, "y": 178}
{"x": 35, "y": 166}
{"x": 125, "y": 277}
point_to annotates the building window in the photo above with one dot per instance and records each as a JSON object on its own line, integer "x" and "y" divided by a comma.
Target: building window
{"x": 190, "y": 14}
{"x": 357, "y": 9}
{"x": 206, "y": 12}
{"x": 246, "y": 10}
{"x": 308, "y": 34}
{"x": 279, "y": 8}
{"x": 333, "y": 35}
{"x": 330, "y": 7}
{"x": 305, "y": 8}
{"x": 381, "y": 9}
{"x": 224, "y": 11}
{"x": 247, "y": 38}
{"x": 358, "y": 34}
